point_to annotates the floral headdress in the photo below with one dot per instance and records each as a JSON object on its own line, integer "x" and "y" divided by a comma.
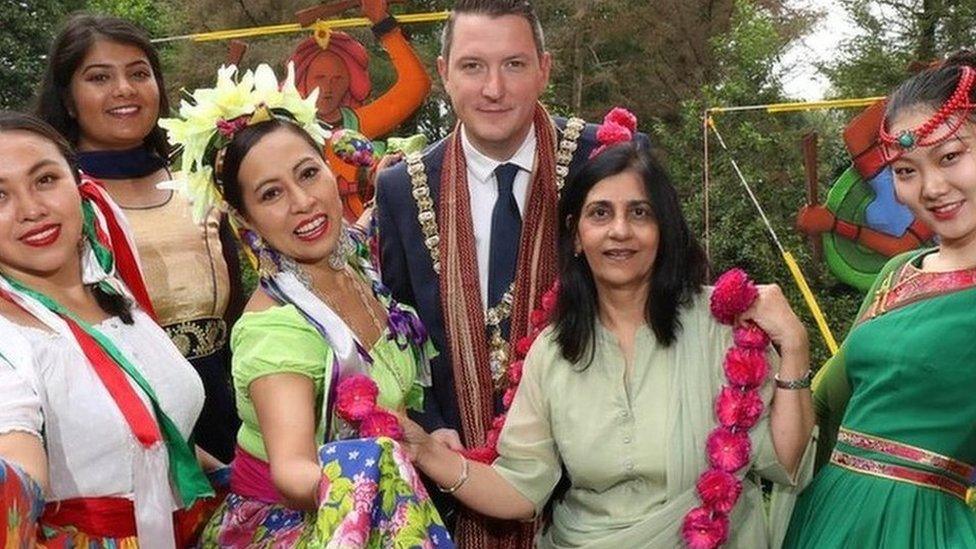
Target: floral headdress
{"x": 209, "y": 118}
{"x": 619, "y": 126}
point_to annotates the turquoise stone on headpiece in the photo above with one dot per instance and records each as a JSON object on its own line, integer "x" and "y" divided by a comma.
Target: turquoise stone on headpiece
{"x": 906, "y": 140}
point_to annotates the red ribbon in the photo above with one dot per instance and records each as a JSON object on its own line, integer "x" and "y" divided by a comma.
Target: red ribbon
{"x": 136, "y": 414}
{"x": 125, "y": 258}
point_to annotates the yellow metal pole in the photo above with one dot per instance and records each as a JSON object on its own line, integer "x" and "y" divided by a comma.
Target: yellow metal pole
{"x": 267, "y": 30}
{"x": 791, "y": 263}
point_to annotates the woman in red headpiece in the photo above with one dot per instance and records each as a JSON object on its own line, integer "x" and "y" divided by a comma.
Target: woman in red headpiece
{"x": 895, "y": 406}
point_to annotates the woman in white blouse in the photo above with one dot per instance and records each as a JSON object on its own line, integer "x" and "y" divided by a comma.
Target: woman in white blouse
{"x": 96, "y": 403}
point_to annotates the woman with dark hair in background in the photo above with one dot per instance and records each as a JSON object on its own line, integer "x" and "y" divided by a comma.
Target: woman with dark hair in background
{"x": 615, "y": 399}
{"x": 104, "y": 91}
{"x": 96, "y": 403}
{"x": 896, "y": 404}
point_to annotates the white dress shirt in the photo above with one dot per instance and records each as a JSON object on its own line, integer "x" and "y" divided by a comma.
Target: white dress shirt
{"x": 483, "y": 192}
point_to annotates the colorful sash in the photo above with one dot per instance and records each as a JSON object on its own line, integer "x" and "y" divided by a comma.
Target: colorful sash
{"x": 349, "y": 356}
{"x": 111, "y": 243}
{"x": 110, "y": 522}
{"x": 461, "y": 303}
{"x": 934, "y": 470}
{"x": 464, "y": 317}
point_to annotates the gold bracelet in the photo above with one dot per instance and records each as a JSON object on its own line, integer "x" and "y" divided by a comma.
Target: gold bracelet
{"x": 460, "y": 481}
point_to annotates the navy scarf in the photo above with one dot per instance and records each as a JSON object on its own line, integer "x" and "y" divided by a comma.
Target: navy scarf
{"x": 128, "y": 164}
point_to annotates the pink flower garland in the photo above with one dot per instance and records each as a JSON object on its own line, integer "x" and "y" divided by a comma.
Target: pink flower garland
{"x": 356, "y": 404}
{"x": 619, "y": 126}
{"x": 737, "y": 408}
{"x": 538, "y": 320}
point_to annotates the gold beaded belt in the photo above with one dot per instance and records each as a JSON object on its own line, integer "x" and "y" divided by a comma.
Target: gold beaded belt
{"x": 198, "y": 338}
{"x": 949, "y": 478}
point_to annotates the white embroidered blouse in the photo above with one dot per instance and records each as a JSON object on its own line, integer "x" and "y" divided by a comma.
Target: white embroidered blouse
{"x": 52, "y": 391}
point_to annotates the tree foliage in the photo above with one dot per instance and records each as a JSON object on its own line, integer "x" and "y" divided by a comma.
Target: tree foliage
{"x": 766, "y": 148}
{"x": 895, "y": 36}
{"x": 26, "y": 27}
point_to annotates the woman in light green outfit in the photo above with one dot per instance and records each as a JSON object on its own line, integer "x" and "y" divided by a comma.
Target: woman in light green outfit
{"x": 897, "y": 405}
{"x": 609, "y": 422}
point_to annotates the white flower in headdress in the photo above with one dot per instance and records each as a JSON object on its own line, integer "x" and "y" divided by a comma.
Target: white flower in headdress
{"x": 211, "y": 116}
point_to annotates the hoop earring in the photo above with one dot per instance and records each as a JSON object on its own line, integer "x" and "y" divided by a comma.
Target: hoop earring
{"x": 267, "y": 266}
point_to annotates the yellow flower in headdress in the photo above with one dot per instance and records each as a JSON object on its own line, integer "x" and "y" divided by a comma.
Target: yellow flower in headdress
{"x": 209, "y": 118}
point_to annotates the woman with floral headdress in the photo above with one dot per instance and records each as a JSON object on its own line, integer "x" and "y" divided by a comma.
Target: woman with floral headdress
{"x": 321, "y": 351}
{"x": 96, "y": 403}
{"x": 104, "y": 91}
{"x": 895, "y": 405}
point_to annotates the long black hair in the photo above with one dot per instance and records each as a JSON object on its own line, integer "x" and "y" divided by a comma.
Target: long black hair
{"x": 932, "y": 86}
{"x": 68, "y": 51}
{"x": 113, "y": 304}
{"x": 680, "y": 266}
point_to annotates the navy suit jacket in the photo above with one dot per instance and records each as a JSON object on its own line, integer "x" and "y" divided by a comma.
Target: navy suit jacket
{"x": 409, "y": 274}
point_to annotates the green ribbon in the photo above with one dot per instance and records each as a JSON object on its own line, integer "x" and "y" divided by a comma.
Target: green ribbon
{"x": 102, "y": 254}
{"x": 190, "y": 480}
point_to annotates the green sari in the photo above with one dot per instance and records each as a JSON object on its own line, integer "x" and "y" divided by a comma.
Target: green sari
{"x": 905, "y": 377}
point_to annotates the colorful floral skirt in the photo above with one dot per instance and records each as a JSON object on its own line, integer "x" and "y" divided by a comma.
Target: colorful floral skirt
{"x": 22, "y": 503}
{"x": 370, "y": 496}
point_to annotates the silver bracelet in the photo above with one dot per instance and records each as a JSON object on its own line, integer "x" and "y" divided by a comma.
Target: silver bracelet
{"x": 460, "y": 481}
{"x": 794, "y": 384}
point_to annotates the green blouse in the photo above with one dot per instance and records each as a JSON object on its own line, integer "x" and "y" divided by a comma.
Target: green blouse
{"x": 279, "y": 340}
{"x": 831, "y": 386}
{"x": 633, "y": 446}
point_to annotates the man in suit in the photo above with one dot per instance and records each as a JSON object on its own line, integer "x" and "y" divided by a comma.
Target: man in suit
{"x": 468, "y": 231}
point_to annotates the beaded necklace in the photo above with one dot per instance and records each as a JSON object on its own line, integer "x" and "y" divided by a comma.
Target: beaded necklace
{"x": 499, "y": 352}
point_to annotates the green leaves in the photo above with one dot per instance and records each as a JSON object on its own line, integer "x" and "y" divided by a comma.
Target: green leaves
{"x": 893, "y": 35}
{"x": 26, "y": 29}
{"x": 767, "y": 149}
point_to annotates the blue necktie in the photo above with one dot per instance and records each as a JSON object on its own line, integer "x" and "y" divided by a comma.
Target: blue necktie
{"x": 506, "y": 226}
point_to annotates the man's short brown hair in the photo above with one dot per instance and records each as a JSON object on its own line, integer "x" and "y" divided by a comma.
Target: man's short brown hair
{"x": 493, "y": 8}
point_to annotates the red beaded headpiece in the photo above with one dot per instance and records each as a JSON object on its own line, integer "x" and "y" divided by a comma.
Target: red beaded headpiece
{"x": 908, "y": 139}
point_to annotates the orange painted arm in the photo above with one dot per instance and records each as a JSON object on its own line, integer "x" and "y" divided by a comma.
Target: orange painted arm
{"x": 886, "y": 245}
{"x": 389, "y": 110}
{"x": 814, "y": 220}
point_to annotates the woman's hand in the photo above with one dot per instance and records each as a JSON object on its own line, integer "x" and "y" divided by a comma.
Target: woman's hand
{"x": 387, "y": 161}
{"x": 417, "y": 442}
{"x": 791, "y": 411}
{"x": 448, "y": 437}
{"x": 774, "y": 315}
